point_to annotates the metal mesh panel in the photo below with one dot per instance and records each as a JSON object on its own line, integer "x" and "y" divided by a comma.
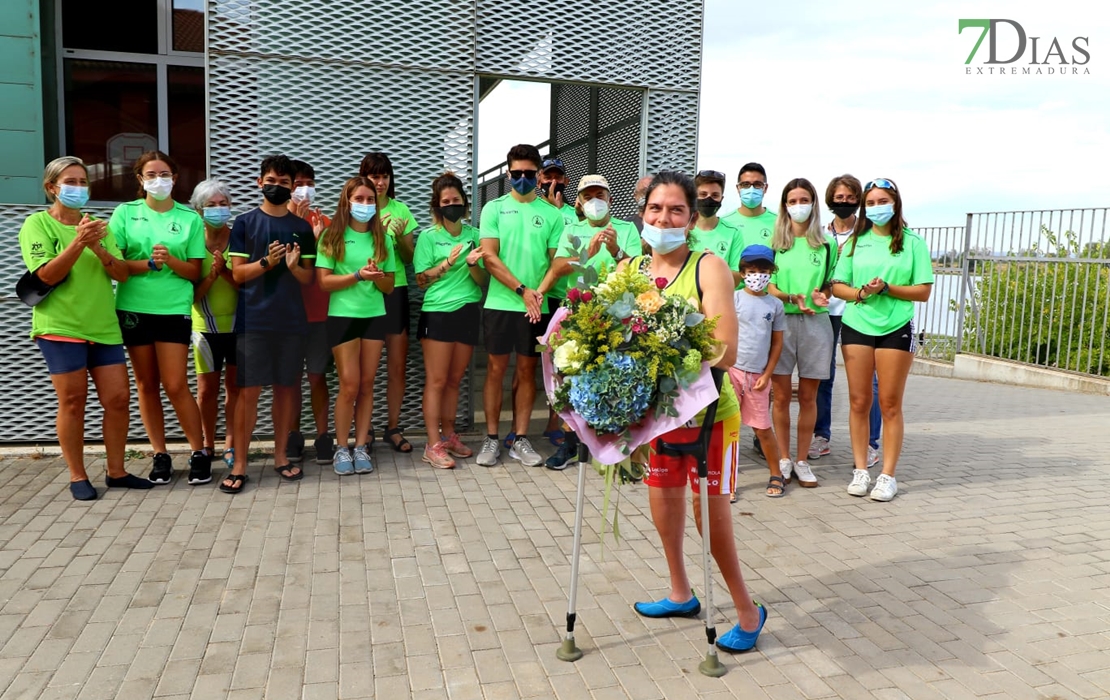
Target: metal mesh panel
{"x": 672, "y": 136}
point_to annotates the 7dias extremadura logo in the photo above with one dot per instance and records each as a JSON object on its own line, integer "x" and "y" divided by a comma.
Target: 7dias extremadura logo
{"x": 1009, "y": 44}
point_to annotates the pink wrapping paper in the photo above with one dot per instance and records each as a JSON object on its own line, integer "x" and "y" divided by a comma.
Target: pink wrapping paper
{"x": 610, "y": 449}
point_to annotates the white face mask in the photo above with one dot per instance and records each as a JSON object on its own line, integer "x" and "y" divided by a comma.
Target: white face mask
{"x": 663, "y": 240}
{"x": 304, "y": 194}
{"x": 757, "y": 281}
{"x": 595, "y": 209}
{"x": 800, "y": 212}
{"x": 159, "y": 187}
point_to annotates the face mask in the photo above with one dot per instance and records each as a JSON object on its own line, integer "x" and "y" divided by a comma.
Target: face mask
{"x": 276, "y": 194}
{"x": 159, "y": 187}
{"x": 216, "y": 216}
{"x": 663, "y": 240}
{"x": 452, "y": 212}
{"x": 708, "y": 207}
{"x": 523, "y": 185}
{"x": 304, "y": 194}
{"x": 800, "y": 212}
{"x": 73, "y": 196}
{"x": 595, "y": 209}
{"x": 843, "y": 210}
{"x": 363, "y": 212}
{"x": 881, "y": 214}
{"x": 751, "y": 197}
{"x": 757, "y": 281}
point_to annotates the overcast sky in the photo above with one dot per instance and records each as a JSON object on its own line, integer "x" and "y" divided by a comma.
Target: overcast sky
{"x": 815, "y": 88}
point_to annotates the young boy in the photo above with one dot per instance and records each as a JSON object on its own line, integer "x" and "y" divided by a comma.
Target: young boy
{"x": 760, "y": 320}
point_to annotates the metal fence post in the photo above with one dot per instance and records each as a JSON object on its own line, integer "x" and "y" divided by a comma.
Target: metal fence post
{"x": 965, "y": 281}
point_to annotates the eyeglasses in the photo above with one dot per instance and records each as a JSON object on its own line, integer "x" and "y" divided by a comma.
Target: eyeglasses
{"x": 758, "y": 184}
{"x": 714, "y": 174}
{"x": 517, "y": 174}
{"x": 881, "y": 183}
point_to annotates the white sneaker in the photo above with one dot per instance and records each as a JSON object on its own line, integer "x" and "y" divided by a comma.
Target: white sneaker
{"x": 872, "y": 456}
{"x": 804, "y": 474}
{"x": 787, "y": 469}
{"x": 523, "y": 452}
{"x": 861, "y": 481}
{"x": 886, "y": 488}
{"x": 818, "y": 448}
{"x": 490, "y": 452}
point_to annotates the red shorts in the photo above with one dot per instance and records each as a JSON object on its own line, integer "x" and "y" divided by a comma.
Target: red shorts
{"x": 670, "y": 471}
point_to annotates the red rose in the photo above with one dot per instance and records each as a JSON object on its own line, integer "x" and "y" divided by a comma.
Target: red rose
{"x": 573, "y": 295}
{"x": 587, "y": 296}
{"x": 661, "y": 282}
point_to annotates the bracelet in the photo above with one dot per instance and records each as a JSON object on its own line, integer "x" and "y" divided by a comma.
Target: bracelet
{"x": 470, "y": 264}
{"x": 885, "y": 289}
{"x": 152, "y": 265}
{"x": 358, "y": 276}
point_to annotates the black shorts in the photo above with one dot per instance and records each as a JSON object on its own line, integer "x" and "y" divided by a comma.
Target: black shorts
{"x": 212, "y": 350}
{"x": 902, "y": 339}
{"x": 146, "y": 329}
{"x": 510, "y": 331}
{"x": 269, "y": 359}
{"x": 397, "y": 313}
{"x": 458, "y": 326}
{"x": 343, "y": 329}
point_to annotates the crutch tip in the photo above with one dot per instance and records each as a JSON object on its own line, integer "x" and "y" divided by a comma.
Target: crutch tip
{"x": 712, "y": 666}
{"x": 568, "y": 651}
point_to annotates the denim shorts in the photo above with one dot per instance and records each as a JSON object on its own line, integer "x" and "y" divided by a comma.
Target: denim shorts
{"x": 63, "y": 357}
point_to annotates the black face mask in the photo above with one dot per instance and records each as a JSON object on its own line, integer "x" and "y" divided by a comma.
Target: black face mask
{"x": 843, "y": 209}
{"x": 452, "y": 212}
{"x": 276, "y": 194}
{"x": 708, "y": 207}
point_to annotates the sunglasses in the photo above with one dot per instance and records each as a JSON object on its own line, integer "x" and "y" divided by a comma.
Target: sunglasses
{"x": 714, "y": 174}
{"x": 881, "y": 183}
{"x": 517, "y": 174}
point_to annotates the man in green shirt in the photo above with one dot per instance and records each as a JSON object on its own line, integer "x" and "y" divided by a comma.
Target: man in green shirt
{"x": 713, "y": 234}
{"x": 755, "y": 222}
{"x": 519, "y": 234}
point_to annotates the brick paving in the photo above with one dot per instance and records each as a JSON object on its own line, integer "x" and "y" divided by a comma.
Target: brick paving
{"x": 988, "y": 577}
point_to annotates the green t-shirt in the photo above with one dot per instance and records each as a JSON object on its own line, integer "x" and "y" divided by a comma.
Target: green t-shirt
{"x": 723, "y": 240}
{"x": 215, "y": 312}
{"x": 456, "y": 288}
{"x": 392, "y": 211}
{"x": 364, "y": 299}
{"x": 83, "y": 306}
{"x": 628, "y": 240}
{"x": 881, "y": 314}
{"x": 754, "y": 230}
{"x": 138, "y": 229}
{"x": 803, "y": 269}
{"x": 559, "y": 292}
{"x": 527, "y": 231}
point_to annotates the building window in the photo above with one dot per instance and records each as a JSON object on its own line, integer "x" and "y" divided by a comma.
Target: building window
{"x": 133, "y": 81}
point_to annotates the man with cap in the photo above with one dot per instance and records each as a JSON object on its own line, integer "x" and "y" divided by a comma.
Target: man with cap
{"x": 606, "y": 242}
{"x": 553, "y": 188}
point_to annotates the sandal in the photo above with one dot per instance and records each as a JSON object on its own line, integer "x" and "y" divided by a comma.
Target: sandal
{"x": 237, "y": 481}
{"x": 229, "y": 457}
{"x": 402, "y": 446}
{"x": 289, "y": 468}
{"x": 556, "y": 437}
{"x": 509, "y": 440}
{"x": 776, "y": 487}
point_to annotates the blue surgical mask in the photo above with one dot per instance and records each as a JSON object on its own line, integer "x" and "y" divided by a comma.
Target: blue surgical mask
{"x": 751, "y": 197}
{"x": 880, "y": 215}
{"x": 73, "y": 196}
{"x": 663, "y": 240}
{"x": 523, "y": 185}
{"x": 216, "y": 216}
{"x": 363, "y": 212}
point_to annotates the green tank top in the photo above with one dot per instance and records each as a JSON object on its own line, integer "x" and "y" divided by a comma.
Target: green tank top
{"x": 685, "y": 284}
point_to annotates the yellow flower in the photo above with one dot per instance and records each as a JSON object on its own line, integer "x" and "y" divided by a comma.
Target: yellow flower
{"x": 650, "y": 302}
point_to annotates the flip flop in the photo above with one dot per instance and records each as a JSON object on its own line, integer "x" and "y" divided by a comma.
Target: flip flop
{"x": 556, "y": 437}
{"x": 237, "y": 481}
{"x": 509, "y": 440}
{"x": 229, "y": 457}
{"x": 288, "y": 468}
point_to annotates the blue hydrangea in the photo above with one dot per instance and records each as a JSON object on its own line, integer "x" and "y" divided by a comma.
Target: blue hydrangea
{"x": 613, "y": 396}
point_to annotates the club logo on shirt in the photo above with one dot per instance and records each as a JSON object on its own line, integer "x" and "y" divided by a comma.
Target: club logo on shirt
{"x": 174, "y": 228}
{"x": 722, "y": 248}
{"x": 766, "y": 233}
{"x": 537, "y": 221}
{"x": 815, "y": 259}
{"x": 37, "y": 251}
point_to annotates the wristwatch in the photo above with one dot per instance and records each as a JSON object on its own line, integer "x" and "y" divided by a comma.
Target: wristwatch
{"x": 264, "y": 262}
{"x": 520, "y": 291}
{"x": 152, "y": 265}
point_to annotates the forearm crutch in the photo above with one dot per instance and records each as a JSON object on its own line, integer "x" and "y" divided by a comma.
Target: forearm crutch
{"x": 569, "y": 651}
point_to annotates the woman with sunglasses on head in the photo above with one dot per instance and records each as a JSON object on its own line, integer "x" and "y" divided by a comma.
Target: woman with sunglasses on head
{"x": 399, "y": 225}
{"x": 75, "y": 259}
{"x": 805, "y": 257}
{"x": 450, "y": 315}
{"x": 712, "y": 233}
{"x": 355, "y": 265}
{"x": 163, "y": 244}
{"x": 885, "y": 268}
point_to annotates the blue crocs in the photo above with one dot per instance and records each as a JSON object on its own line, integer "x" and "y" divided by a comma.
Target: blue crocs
{"x": 736, "y": 639}
{"x": 668, "y": 608}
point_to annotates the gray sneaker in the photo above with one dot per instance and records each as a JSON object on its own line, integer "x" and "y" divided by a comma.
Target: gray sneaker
{"x": 523, "y": 452}
{"x": 490, "y": 452}
{"x": 342, "y": 463}
{"x": 363, "y": 465}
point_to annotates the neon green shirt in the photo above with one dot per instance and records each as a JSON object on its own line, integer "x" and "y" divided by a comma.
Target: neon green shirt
{"x": 527, "y": 232}
{"x": 364, "y": 299}
{"x": 628, "y": 240}
{"x": 456, "y": 288}
{"x": 559, "y": 292}
{"x": 215, "y": 312}
{"x": 803, "y": 269}
{"x": 391, "y": 211}
{"x": 83, "y": 306}
{"x": 723, "y": 240}
{"x": 754, "y": 230}
{"x": 881, "y": 314}
{"x": 138, "y": 229}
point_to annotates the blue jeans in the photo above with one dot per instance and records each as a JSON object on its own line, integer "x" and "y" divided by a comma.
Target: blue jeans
{"x": 823, "y": 427}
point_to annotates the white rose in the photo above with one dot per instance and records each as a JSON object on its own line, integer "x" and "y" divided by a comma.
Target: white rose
{"x": 563, "y": 357}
